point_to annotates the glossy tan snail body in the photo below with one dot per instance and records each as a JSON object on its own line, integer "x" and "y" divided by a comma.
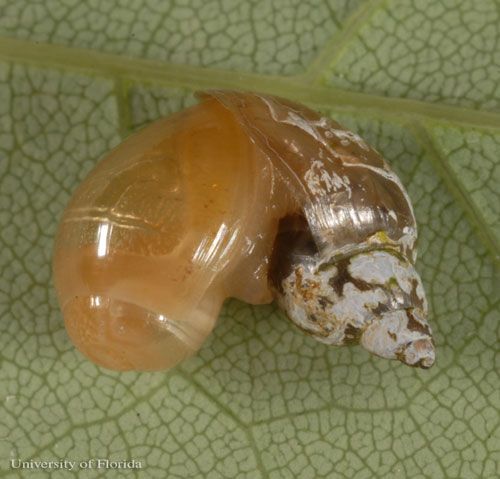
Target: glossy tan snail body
{"x": 246, "y": 196}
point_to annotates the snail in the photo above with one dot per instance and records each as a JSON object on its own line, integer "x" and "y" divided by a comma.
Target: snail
{"x": 246, "y": 196}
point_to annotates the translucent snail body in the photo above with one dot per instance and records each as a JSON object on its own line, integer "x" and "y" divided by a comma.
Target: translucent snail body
{"x": 245, "y": 196}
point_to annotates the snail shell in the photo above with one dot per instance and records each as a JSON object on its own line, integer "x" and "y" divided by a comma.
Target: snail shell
{"x": 245, "y": 196}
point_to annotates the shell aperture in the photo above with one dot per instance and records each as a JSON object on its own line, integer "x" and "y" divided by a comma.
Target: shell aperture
{"x": 247, "y": 196}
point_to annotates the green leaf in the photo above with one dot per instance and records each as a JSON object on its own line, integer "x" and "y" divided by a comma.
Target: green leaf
{"x": 418, "y": 79}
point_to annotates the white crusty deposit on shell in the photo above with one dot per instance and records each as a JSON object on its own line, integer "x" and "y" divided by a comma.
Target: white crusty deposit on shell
{"x": 346, "y": 137}
{"x": 319, "y": 180}
{"x": 394, "y": 336}
{"x": 379, "y": 267}
{"x": 375, "y": 298}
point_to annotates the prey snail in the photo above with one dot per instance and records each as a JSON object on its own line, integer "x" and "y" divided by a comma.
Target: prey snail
{"x": 247, "y": 196}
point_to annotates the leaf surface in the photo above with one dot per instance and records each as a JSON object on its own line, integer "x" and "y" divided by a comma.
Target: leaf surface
{"x": 418, "y": 79}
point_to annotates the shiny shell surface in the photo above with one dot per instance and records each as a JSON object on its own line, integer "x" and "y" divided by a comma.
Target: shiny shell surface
{"x": 247, "y": 196}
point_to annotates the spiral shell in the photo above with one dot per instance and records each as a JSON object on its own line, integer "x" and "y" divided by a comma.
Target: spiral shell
{"x": 247, "y": 196}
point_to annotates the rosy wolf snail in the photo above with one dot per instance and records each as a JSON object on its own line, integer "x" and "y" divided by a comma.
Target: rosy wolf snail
{"x": 247, "y": 196}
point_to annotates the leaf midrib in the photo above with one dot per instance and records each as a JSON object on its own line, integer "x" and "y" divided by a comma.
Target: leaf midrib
{"x": 299, "y": 88}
